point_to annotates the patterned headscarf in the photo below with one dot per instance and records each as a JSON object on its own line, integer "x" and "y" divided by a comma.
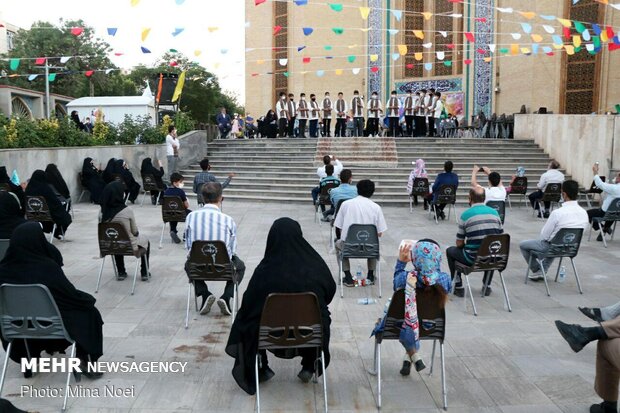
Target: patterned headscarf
{"x": 420, "y": 169}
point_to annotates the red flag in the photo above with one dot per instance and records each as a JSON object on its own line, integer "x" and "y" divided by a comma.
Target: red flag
{"x": 255, "y": 74}
{"x": 470, "y": 37}
{"x": 613, "y": 46}
{"x": 76, "y": 31}
{"x": 550, "y": 54}
{"x": 481, "y": 19}
{"x": 450, "y": 46}
{"x": 374, "y": 69}
{"x": 467, "y": 61}
{"x": 39, "y": 61}
{"x": 610, "y": 32}
{"x": 567, "y": 33}
{"x": 409, "y": 66}
{"x": 276, "y": 29}
{"x": 118, "y": 54}
{"x": 89, "y": 73}
{"x": 481, "y": 51}
{"x": 306, "y": 60}
{"x": 257, "y": 2}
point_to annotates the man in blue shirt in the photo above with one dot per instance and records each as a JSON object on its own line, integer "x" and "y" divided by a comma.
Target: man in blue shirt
{"x": 176, "y": 179}
{"x": 342, "y": 193}
{"x": 330, "y": 180}
{"x": 445, "y": 178}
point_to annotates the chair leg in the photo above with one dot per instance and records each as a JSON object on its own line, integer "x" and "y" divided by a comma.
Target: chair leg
{"x": 161, "y": 238}
{"x": 509, "y": 203}
{"x": 6, "y": 364}
{"x": 613, "y": 231}
{"x": 189, "y": 297}
{"x": 52, "y": 234}
{"x": 444, "y": 389}
{"x": 340, "y": 275}
{"x": 135, "y": 276}
{"x": 234, "y": 305}
{"x": 544, "y": 273}
{"x": 374, "y": 359}
{"x": 143, "y": 196}
{"x": 603, "y": 234}
{"x": 316, "y": 209}
{"x": 410, "y": 204}
{"x": 471, "y": 295}
{"x": 576, "y": 276}
{"x": 100, "y": 272}
{"x": 324, "y": 379}
{"x": 527, "y": 272}
{"x": 430, "y": 373}
{"x": 557, "y": 273}
{"x": 80, "y": 197}
{"x": 379, "y": 275}
{"x": 257, "y": 385}
{"x": 64, "y": 404}
{"x": 501, "y": 276}
{"x": 590, "y": 232}
{"x": 379, "y": 376}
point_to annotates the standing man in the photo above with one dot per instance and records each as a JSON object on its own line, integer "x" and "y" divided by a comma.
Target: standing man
{"x": 437, "y": 112}
{"x": 302, "y": 114}
{"x": 357, "y": 107}
{"x": 282, "y": 114}
{"x": 393, "y": 112}
{"x": 341, "y": 116}
{"x": 420, "y": 119}
{"x": 374, "y": 113}
{"x": 409, "y": 106}
{"x": 430, "y": 108}
{"x": 172, "y": 149}
{"x": 314, "y": 116}
{"x": 612, "y": 191}
{"x": 327, "y": 115}
{"x": 292, "y": 115}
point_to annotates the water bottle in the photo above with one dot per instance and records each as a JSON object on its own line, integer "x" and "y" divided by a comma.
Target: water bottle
{"x": 366, "y": 301}
{"x": 562, "y": 275}
{"x": 359, "y": 276}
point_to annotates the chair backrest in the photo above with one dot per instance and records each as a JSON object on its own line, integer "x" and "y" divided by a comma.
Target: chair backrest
{"x": 431, "y": 315}
{"x": 5, "y": 187}
{"x": 519, "y": 185}
{"x": 209, "y": 261}
{"x": 613, "y": 211}
{"x": 362, "y": 242}
{"x": 420, "y": 187}
{"x": 80, "y": 181}
{"x": 553, "y": 192}
{"x": 173, "y": 210}
{"x": 565, "y": 243}
{"x": 395, "y": 316}
{"x": 28, "y": 311}
{"x": 149, "y": 183}
{"x": 4, "y": 245}
{"x": 446, "y": 194}
{"x": 324, "y": 198}
{"x": 37, "y": 209}
{"x": 500, "y": 207}
{"x": 113, "y": 239}
{"x": 119, "y": 178}
{"x": 595, "y": 189}
{"x": 493, "y": 253}
{"x": 290, "y": 321}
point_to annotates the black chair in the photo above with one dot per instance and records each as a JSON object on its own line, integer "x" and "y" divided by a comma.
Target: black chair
{"x": 332, "y": 235}
{"x": 551, "y": 194}
{"x": 565, "y": 244}
{"x": 114, "y": 240}
{"x": 518, "y": 187}
{"x": 150, "y": 184}
{"x": 362, "y": 242}
{"x": 492, "y": 256}
{"x": 4, "y": 245}
{"x": 446, "y": 194}
{"x": 38, "y": 210}
{"x": 119, "y": 178}
{"x": 432, "y": 321}
{"x": 612, "y": 214}
{"x": 209, "y": 261}
{"x": 81, "y": 186}
{"x": 593, "y": 190}
{"x": 172, "y": 210}
{"x": 29, "y": 312}
{"x": 420, "y": 188}
{"x": 5, "y": 187}
{"x": 291, "y": 321}
{"x": 500, "y": 207}
{"x": 324, "y": 198}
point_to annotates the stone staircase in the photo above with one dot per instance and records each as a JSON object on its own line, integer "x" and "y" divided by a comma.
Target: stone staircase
{"x": 284, "y": 170}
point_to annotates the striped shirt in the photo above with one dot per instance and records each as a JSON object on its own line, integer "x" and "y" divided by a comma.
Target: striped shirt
{"x": 204, "y": 177}
{"x": 210, "y": 224}
{"x": 476, "y": 223}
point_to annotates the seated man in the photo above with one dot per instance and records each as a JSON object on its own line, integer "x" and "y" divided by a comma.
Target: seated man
{"x": 359, "y": 210}
{"x": 320, "y": 172}
{"x": 176, "y": 179}
{"x": 210, "y": 224}
{"x": 552, "y": 176}
{"x": 474, "y": 224}
{"x": 206, "y": 176}
{"x": 342, "y": 193}
{"x": 495, "y": 191}
{"x": 612, "y": 191}
{"x": 329, "y": 179}
{"x": 445, "y": 178}
{"x": 570, "y": 215}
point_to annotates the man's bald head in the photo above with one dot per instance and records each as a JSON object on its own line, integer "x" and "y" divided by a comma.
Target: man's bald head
{"x": 476, "y": 195}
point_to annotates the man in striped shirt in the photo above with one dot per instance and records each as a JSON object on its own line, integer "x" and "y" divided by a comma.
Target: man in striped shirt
{"x": 205, "y": 176}
{"x": 475, "y": 223}
{"x": 210, "y": 224}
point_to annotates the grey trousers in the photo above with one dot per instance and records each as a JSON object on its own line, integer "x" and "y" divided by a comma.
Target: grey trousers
{"x": 346, "y": 265}
{"x": 172, "y": 164}
{"x": 529, "y": 246}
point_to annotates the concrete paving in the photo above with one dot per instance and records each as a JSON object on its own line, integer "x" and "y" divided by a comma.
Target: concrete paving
{"x": 496, "y": 362}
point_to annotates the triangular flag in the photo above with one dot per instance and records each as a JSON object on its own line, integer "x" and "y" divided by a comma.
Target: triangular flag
{"x": 409, "y": 65}
{"x": 364, "y": 11}
{"x": 610, "y": 32}
{"x": 145, "y": 33}
{"x": 32, "y": 77}
{"x": 301, "y": 2}
{"x": 470, "y": 37}
{"x": 395, "y": 56}
{"x": 579, "y": 27}
{"x": 307, "y": 31}
{"x": 441, "y": 55}
{"x": 537, "y": 38}
{"x": 596, "y": 41}
{"x": 443, "y": 34}
{"x": 14, "y": 64}
{"x": 277, "y": 29}
{"x": 402, "y": 49}
{"x": 257, "y": 2}
{"x": 516, "y": 36}
{"x": 89, "y": 73}
{"x": 526, "y": 51}
{"x": 492, "y": 48}
{"x": 338, "y": 72}
{"x": 557, "y": 40}
{"x": 39, "y": 61}
{"x": 306, "y": 60}
{"x": 15, "y": 177}
{"x": 427, "y": 45}
{"x": 283, "y": 62}
{"x": 65, "y": 59}
{"x": 590, "y": 47}
{"x": 467, "y": 61}
{"x": 173, "y": 51}
{"x": 418, "y": 56}
{"x": 514, "y": 49}
{"x": 118, "y": 54}
{"x": 586, "y": 35}
{"x": 570, "y": 50}
{"x": 374, "y": 57}
{"x": 326, "y": 47}
{"x": 547, "y": 17}
{"x": 108, "y": 71}
{"x": 481, "y": 50}
{"x": 112, "y": 31}
{"x": 393, "y": 32}
{"x": 51, "y": 77}
{"x": 300, "y": 48}
{"x": 450, "y": 46}
{"x": 179, "y": 87}
{"x": 134, "y": 3}
{"x": 286, "y": 74}
{"x": 447, "y": 63}
{"x": 576, "y": 40}
{"x": 398, "y": 14}
{"x": 320, "y": 73}
{"x": 351, "y": 59}
{"x": 76, "y": 31}
{"x": 335, "y": 6}
{"x": 503, "y": 50}
{"x": 528, "y": 14}
{"x": 549, "y": 29}
{"x": 505, "y": 9}
{"x": 374, "y": 69}
{"x": 604, "y": 36}
{"x": 487, "y": 59}
{"x": 355, "y": 70}
{"x": 338, "y": 30}
{"x": 427, "y": 15}
{"x": 197, "y": 53}
{"x": 597, "y": 29}
{"x": 565, "y": 22}
{"x": 547, "y": 49}
{"x": 177, "y": 31}
{"x": 144, "y": 49}
{"x": 428, "y": 66}
{"x": 527, "y": 28}
{"x": 419, "y": 34}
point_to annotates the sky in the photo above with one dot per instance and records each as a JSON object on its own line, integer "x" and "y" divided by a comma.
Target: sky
{"x": 215, "y": 28}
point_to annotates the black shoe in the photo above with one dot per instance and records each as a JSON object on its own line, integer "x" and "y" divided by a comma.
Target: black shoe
{"x": 305, "y": 375}
{"x": 121, "y": 275}
{"x": 265, "y": 374}
{"x": 600, "y": 237}
{"x": 406, "y": 369}
{"x": 546, "y": 214}
{"x": 145, "y": 276}
{"x": 419, "y": 365}
{"x": 348, "y": 282}
{"x": 573, "y": 335}
{"x": 459, "y": 291}
{"x": 603, "y": 408}
{"x": 442, "y": 215}
{"x": 175, "y": 237}
{"x": 425, "y": 206}
{"x": 487, "y": 292}
{"x": 592, "y": 313}
{"x": 153, "y": 200}
{"x": 28, "y": 373}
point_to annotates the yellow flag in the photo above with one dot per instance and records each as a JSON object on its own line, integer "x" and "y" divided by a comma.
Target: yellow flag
{"x": 418, "y": 56}
{"x": 402, "y": 49}
{"x": 374, "y": 57}
{"x": 134, "y": 3}
{"x": 558, "y": 46}
{"x": 338, "y": 72}
{"x": 514, "y": 49}
{"x": 419, "y": 34}
{"x": 570, "y": 50}
{"x": 212, "y": 29}
{"x": 537, "y": 38}
{"x": 197, "y": 53}
{"x": 604, "y": 37}
{"x": 576, "y": 40}
{"x": 488, "y": 59}
{"x": 179, "y": 88}
{"x": 364, "y": 11}
{"x": 145, "y": 33}
{"x": 525, "y": 50}
{"x": 260, "y": 62}
{"x": 528, "y": 14}
{"x": 565, "y": 22}
{"x": 427, "y": 15}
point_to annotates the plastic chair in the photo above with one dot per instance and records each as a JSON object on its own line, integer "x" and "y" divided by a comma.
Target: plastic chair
{"x": 114, "y": 240}
{"x": 565, "y": 244}
{"x": 492, "y": 256}
{"x": 420, "y": 188}
{"x": 593, "y": 190}
{"x": 332, "y": 234}
{"x": 446, "y": 194}
{"x": 518, "y": 187}
{"x": 552, "y": 194}
{"x": 4, "y": 246}
{"x": 5, "y": 187}
{"x": 150, "y": 184}
{"x": 209, "y": 261}
{"x": 612, "y": 214}
{"x": 324, "y": 198}
{"x": 29, "y": 312}
{"x": 500, "y": 207}
{"x": 432, "y": 321}
{"x": 291, "y": 321}
{"x": 172, "y": 210}
{"x": 362, "y": 242}
{"x": 37, "y": 210}
{"x": 81, "y": 187}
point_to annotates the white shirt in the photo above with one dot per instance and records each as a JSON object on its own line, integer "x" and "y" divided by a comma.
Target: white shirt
{"x": 438, "y": 109}
{"x": 314, "y": 110}
{"x": 611, "y": 190}
{"x": 395, "y": 103}
{"x": 552, "y": 176}
{"x": 303, "y": 113}
{"x": 344, "y": 108}
{"x": 359, "y": 210}
{"x": 327, "y": 103}
{"x": 281, "y": 109}
{"x": 494, "y": 193}
{"x": 570, "y": 215}
{"x": 357, "y": 106}
{"x": 338, "y": 167}
{"x": 374, "y": 104}
{"x": 171, "y": 143}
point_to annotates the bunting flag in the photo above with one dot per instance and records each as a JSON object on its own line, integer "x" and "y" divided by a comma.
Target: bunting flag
{"x": 320, "y": 73}
{"x": 51, "y": 77}
{"x": 374, "y": 69}
{"x": 338, "y": 72}
{"x": 300, "y": 2}
{"x": 565, "y": 22}
{"x": 586, "y": 35}
{"x": 326, "y": 47}
{"x": 351, "y": 59}
{"x": 597, "y": 29}
{"x": 441, "y": 55}
{"x": 112, "y": 31}
{"x": 134, "y": 3}
{"x": 179, "y": 2}
{"x": 374, "y": 57}
{"x": 402, "y": 49}
{"x": 365, "y": 11}
{"x": 537, "y": 38}
{"x": 418, "y": 56}
{"x": 76, "y": 31}
{"x": 427, "y": 15}
{"x": 197, "y": 53}
{"x": 467, "y": 61}
{"x": 14, "y": 64}
{"x": 393, "y": 32}
{"x": 355, "y": 70}
{"x": 570, "y": 50}
{"x": 338, "y": 30}
{"x": 579, "y": 27}
{"x": 335, "y": 6}
{"x": 300, "y": 48}
{"x": 528, "y": 14}
{"x": 395, "y": 56}
{"x": 448, "y": 63}
{"x": 144, "y": 49}
{"x": 32, "y": 77}
{"x": 145, "y": 33}
{"x": 398, "y": 14}
{"x": 283, "y": 62}
{"x": 277, "y": 29}
{"x": 516, "y": 36}
{"x": 514, "y": 49}
{"x": 443, "y": 34}
{"x": 470, "y": 37}
{"x": 505, "y": 9}
{"x": 307, "y": 31}
{"x": 547, "y": 17}
{"x": 257, "y": 2}
{"x": 89, "y": 73}
{"x": 527, "y": 28}
{"x": 179, "y": 88}
{"x": 306, "y": 60}
{"x": 428, "y": 66}
{"x": 39, "y": 61}
{"x": 419, "y": 34}
{"x": 549, "y": 29}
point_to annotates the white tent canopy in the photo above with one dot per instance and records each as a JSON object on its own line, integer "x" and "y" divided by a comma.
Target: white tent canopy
{"x": 114, "y": 107}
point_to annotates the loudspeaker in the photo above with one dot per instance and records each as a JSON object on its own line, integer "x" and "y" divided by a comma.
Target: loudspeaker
{"x": 165, "y": 90}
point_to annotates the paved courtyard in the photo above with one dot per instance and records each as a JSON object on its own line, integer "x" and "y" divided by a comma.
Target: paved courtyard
{"x": 496, "y": 362}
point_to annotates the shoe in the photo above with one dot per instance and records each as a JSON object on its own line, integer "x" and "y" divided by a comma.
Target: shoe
{"x": 546, "y": 214}
{"x": 121, "y": 276}
{"x": 487, "y": 292}
{"x": 325, "y": 219}
{"x": 442, "y": 215}
{"x": 536, "y": 276}
{"x": 419, "y": 365}
{"x": 224, "y": 306}
{"x": 603, "y": 408}
{"x": 153, "y": 200}
{"x": 348, "y": 282}
{"x": 573, "y": 335}
{"x": 305, "y": 375}
{"x": 28, "y": 373}
{"x": 265, "y": 374}
{"x": 370, "y": 281}
{"x": 175, "y": 237}
{"x": 459, "y": 291}
{"x": 426, "y": 207}
{"x": 538, "y": 215}
{"x": 406, "y": 369}
{"x": 600, "y": 237}
{"x": 592, "y": 313}
{"x": 207, "y": 303}
{"x": 145, "y": 276}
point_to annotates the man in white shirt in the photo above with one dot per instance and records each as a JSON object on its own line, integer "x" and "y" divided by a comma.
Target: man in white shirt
{"x": 292, "y": 114}
{"x": 552, "y": 176}
{"x": 495, "y": 191}
{"x": 327, "y": 115}
{"x": 612, "y": 191}
{"x": 570, "y": 215}
{"x": 420, "y": 115}
{"x": 359, "y": 210}
{"x": 303, "y": 113}
{"x": 341, "y": 116}
{"x": 357, "y": 109}
{"x": 430, "y": 112}
{"x": 320, "y": 172}
{"x": 314, "y": 116}
{"x": 438, "y": 109}
{"x": 409, "y": 106}
{"x": 393, "y": 113}
{"x": 172, "y": 149}
{"x": 282, "y": 114}
{"x": 375, "y": 109}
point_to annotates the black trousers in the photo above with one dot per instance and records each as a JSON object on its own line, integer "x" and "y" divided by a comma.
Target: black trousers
{"x": 327, "y": 127}
{"x": 229, "y": 289}
{"x": 409, "y": 123}
{"x": 372, "y": 126}
{"x": 431, "y": 126}
{"x": 393, "y": 125}
{"x": 174, "y": 224}
{"x": 308, "y": 357}
{"x": 282, "y": 127}
{"x": 291, "y": 128}
{"x": 302, "y": 127}
{"x": 598, "y": 213}
{"x": 535, "y": 197}
{"x": 314, "y": 128}
{"x": 341, "y": 127}
{"x": 456, "y": 254}
{"x": 420, "y": 125}
{"x": 144, "y": 260}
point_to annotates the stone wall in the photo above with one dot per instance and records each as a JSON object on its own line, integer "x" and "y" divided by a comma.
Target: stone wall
{"x": 576, "y": 141}
{"x": 69, "y": 160}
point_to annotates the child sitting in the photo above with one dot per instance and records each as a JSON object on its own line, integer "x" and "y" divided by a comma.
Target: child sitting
{"x": 176, "y": 179}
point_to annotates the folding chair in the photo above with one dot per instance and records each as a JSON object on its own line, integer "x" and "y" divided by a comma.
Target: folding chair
{"x": 4, "y": 245}
{"x": 518, "y": 187}
{"x": 81, "y": 186}
{"x": 332, "y": 234}
{"x": 172, "y": 210}
{"x": 552, "y": 194}
{"x": 420, "y": 188}
{"x": 362, "y": 242}
{"x": 593, "y": 190}
{"x": 492, "y": 256}
{"x": 114, "y": 240}
{"x": 150, "y": 184}
{"x": 5, "y": 188}
{"x": 500, "y": 207}
{"x": 209, "y": 261}
{"x": 29, "y": 312}
{"x": 432, "y": 321}
{"x": 324, "y": 198}
{"x": 612, "y": 214}
{"x": 291, "y": 321}
{"x": 446, "y": 194}
{"x": 37, "y": 210}
{"x": 565, "y": 244}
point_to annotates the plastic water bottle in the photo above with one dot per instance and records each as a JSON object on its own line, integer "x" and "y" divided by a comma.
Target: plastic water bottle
{"x": 562, "y": 275}
{"x": 366, "y": 301}
{"x": 358, "y": 275}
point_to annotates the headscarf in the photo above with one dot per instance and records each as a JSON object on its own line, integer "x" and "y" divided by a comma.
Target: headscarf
{"x": 4, "y": 176}
{"x": 11, "y": 214}
{"x": 87, "y": 165}
{"x": 39, "y": 186}
{"x": 53, "y": 176}
{"x": 109, "y": 170}
{"x": 28, "y": 244}
{"x": 147, "y": 166}
{"x": 520, "y": 172}
{"x": 112, "y": 200}
{"x": 420, "y": 169}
